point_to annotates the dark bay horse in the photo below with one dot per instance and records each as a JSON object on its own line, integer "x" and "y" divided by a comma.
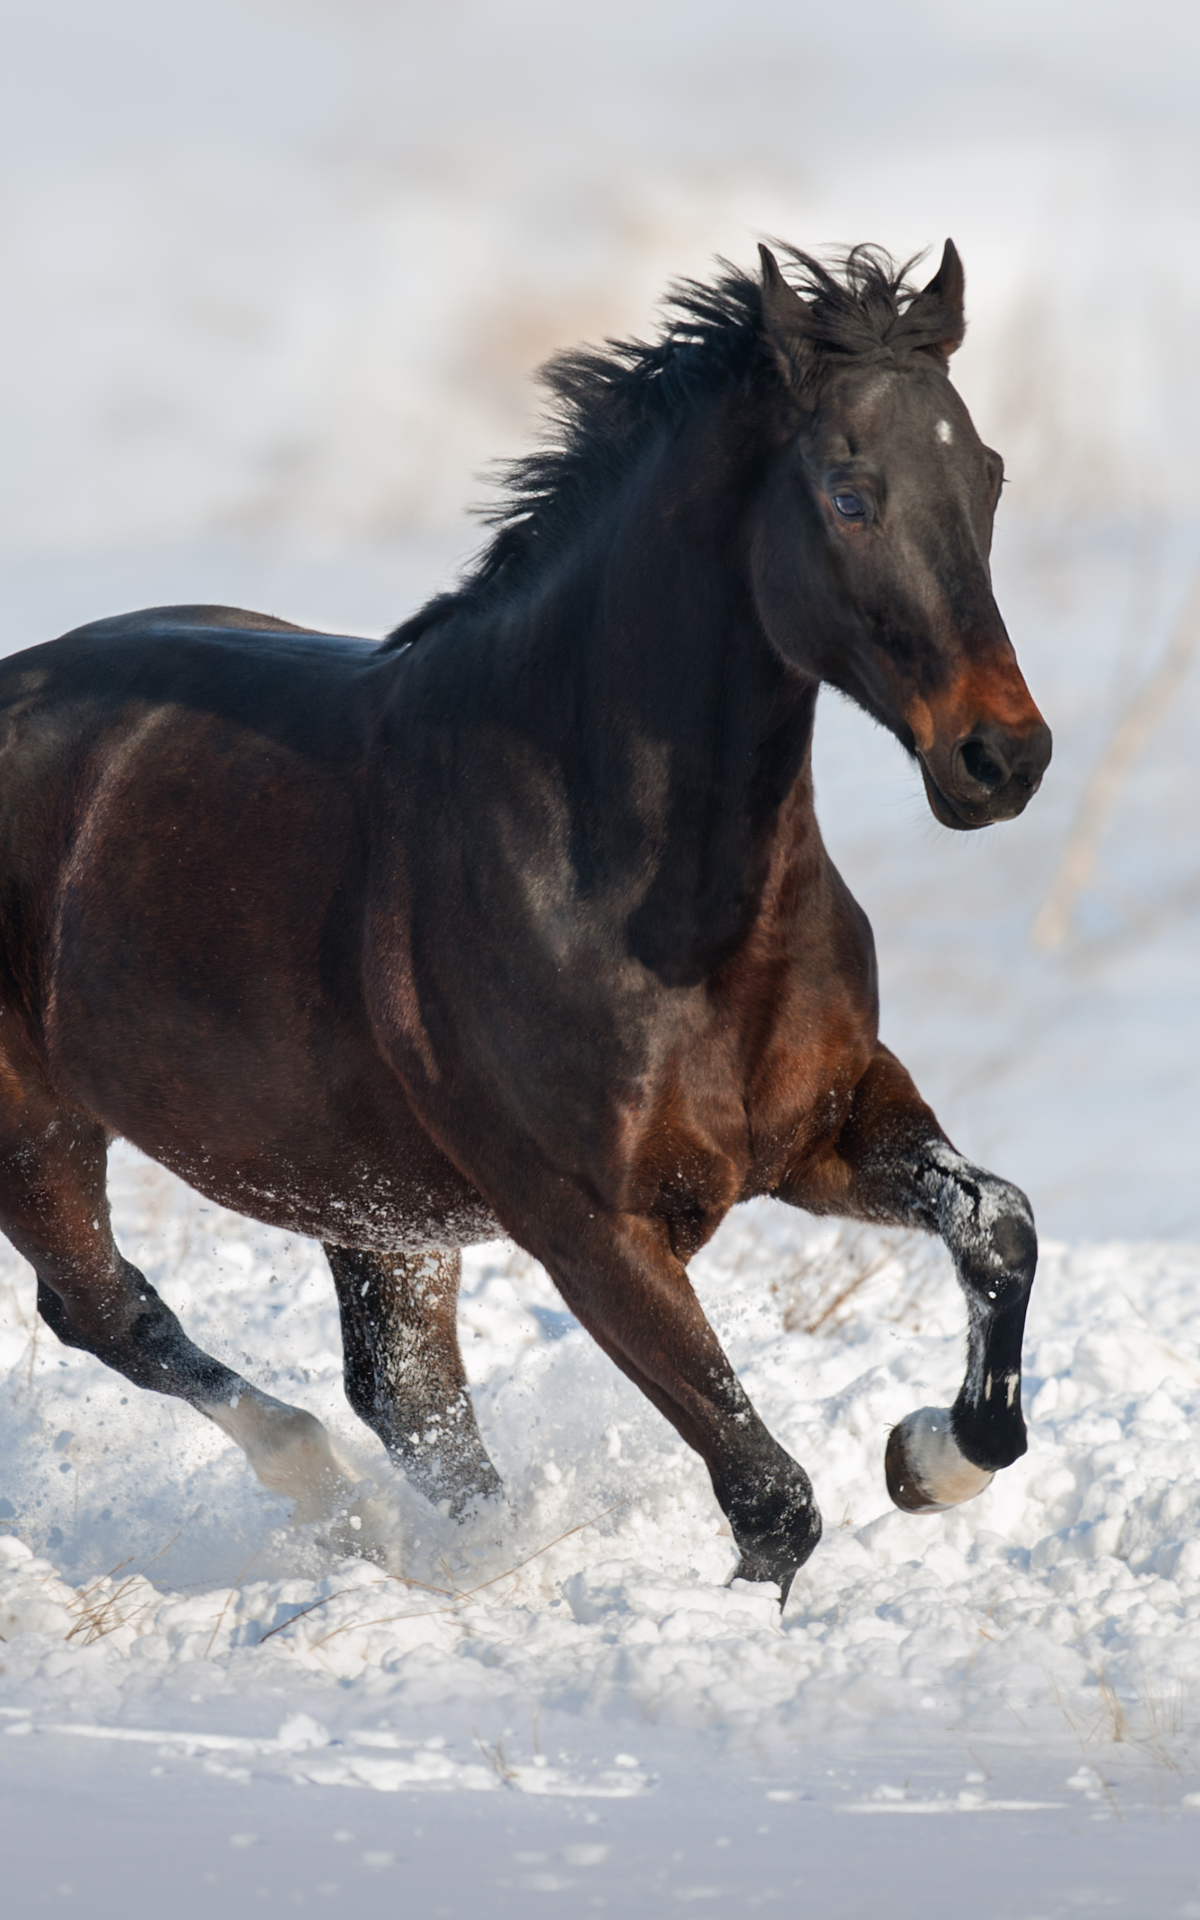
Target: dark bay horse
{"x": 520, "y": 922}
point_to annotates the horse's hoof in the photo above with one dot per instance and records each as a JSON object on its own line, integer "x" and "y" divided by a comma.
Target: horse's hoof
{"x": 775, "y": 1522}
{"x": 456, "y": 1483}
{"x": 468, "y": 1502}
{"x": 779, "y": 1559}
{"x": 745, "y": 1570}
{"x": 927, "y": 1471}
{"x": 363, "y": 1530}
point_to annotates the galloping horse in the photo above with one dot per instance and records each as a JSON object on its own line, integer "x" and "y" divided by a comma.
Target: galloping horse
{"x": 520, "y": 922}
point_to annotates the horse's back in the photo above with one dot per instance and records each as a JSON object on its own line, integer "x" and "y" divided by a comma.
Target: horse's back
{"x": 178, "y": 770}
{"x": 261, "y": 673}
{"x": 199, "y": 618}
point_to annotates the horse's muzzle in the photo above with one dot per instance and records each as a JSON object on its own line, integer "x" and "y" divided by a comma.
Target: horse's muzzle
{"x": 987, "y": 776}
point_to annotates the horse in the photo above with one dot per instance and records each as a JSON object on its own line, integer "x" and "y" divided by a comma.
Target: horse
{"x": 519, "y": 922}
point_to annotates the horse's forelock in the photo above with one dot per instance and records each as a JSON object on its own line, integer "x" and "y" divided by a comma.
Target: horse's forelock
{"x": 608, "y": 403}
{"x": 865, "y": 308}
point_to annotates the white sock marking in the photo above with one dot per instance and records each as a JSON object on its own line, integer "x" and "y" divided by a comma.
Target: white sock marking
{"x": 289, "y": 1450}
{"x": 941, "y": 1469}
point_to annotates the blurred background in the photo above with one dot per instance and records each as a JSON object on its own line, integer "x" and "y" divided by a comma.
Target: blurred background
{"x": 276, "y": 275}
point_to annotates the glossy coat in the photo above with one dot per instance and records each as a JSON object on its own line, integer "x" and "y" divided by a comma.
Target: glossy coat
{"x": 522, "y": 922}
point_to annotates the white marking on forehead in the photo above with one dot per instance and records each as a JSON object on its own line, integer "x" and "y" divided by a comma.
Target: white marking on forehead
{"x": 944, "y": 432}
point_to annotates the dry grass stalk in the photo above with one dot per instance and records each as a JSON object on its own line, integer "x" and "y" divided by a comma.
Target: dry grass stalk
{"x": 454, "y": 1594}
{"x": 822, "y": 1293}
{"x": 228, "y": 1598}
{"x": 1164, "y": 1720}
{"x": 1113, "y": 1711}
{"x": 1125, "y": 747}
{"x": 496, "y": 1759}
{"x": 102, "y": 1613}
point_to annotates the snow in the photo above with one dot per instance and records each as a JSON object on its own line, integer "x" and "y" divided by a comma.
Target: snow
{"x": 1031, "y": 1655}
{"x": 275, "y": 280}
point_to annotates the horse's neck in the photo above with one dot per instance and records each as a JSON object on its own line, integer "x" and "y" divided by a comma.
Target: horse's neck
{"x": 689, "y": 740}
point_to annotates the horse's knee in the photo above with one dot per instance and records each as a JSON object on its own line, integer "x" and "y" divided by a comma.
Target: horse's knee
{"x": 987, "y": 1224}
{"x": 997, "y": 1258}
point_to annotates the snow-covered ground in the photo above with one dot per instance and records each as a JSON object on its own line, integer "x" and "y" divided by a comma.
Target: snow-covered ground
{"x": 638, "y": 1730}
{"x": 275, "y": 277}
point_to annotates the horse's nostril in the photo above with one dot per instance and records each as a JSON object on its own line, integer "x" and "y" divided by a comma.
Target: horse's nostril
{"x": 982, "y": 765}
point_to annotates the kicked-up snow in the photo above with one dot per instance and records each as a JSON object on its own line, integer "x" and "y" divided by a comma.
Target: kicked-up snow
{"x": 1033, "y": 1656}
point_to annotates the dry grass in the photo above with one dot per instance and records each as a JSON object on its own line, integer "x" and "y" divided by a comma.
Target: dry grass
{"x": 102, "y": 1609}
{"x": 1153, "y": 1727}
{"x": 496, "y": 1759}
{"x": 452, "y": 1594}
{"x": 228, "y": 1599}
{"x": 890, "y": 1271}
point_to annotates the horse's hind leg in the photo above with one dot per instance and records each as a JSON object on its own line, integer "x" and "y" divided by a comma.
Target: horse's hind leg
{"x": 54, "y": 1209}
{"x": 404, "y": 1370}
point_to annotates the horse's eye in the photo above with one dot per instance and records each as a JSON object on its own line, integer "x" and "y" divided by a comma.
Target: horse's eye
{"x": 850, "y": 506}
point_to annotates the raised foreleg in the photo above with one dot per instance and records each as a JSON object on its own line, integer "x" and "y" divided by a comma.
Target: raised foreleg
{"x": 404, "y": 1371}
{"x": 892, "y": 1163}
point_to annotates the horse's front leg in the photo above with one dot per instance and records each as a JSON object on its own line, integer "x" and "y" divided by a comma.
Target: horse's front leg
{"x": 892, "y": 1163}
{"x": 622, "y": 1280}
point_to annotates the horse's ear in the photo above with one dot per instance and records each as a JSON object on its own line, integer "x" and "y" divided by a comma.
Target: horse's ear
{"x": 943, "y": 299}
{"x": 785, "y": 317}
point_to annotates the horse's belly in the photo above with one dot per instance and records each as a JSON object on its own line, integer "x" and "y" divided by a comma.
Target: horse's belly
{"x": 405, "y": 1196}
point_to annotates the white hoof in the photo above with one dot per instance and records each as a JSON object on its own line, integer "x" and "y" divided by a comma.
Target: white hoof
{"x": 926, "y": 1469}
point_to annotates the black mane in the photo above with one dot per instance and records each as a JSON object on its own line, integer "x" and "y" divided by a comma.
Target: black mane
{"x": 607, "y": 404}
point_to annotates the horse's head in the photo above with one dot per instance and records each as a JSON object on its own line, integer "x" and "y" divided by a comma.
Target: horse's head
{"x": 873, "y": 533}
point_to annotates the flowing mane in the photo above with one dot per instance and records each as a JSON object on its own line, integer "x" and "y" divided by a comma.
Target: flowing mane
{"x": 608, "y": 403}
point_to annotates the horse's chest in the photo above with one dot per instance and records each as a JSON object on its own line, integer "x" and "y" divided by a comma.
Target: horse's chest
{"x": 800, "y": 1082}
{"x": 750, "y": 1081}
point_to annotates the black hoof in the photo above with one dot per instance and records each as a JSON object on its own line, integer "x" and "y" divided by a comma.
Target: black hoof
{"x": 467, "y": 1501}
{"x": 456, "y": 1487}
{"x": 744, "y": 1570}
{"x": 776, "y": 1526}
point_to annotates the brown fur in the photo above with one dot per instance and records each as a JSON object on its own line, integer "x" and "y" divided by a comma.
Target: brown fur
{"x": 527, "y": 926}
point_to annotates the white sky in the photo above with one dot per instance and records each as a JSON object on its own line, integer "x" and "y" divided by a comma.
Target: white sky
{"x": 286, "y": 265}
